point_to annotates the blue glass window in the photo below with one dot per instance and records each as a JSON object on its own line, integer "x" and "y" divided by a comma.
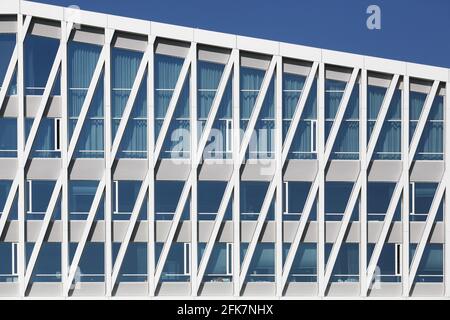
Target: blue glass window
{"x": 8, "y": 137}
{"x": 47, "y": 140}
{"x": 304, "y": 266}
{"x": 209, "y": 197}
{"x": 389, "y": 265}
{"x": 177, "y": 140}
{"x": 337, "y": 195}
{"x": 379, "y": 196}
{"x": 262, "y": 265}
{"x": 5, "y": 186}
{"x": 82, "y": 60}
{"x": 261, "y": 144}
{"x": 39, "y": 55}
{"x": 388, "y": 145}
{"x": 134, "y": 265}
{"x": 431, "y": 266}
{"x": 7, "y": 44}
{"x": 81, "y": 197}
{"x": 304, "y": 144}
{"x": 295, "y": 196}
{"x": 346, "y": 267}
{"x": 48, "y": 263}
{"x": 124, "y": 195}
{"x": 208, "y": 78}
{"x": 250, "y": 82}
{"x": 334, "y": 90}
{"x": 8, "y": 262}
{"x": 219, "y": 144}
{"x": 252, "y": 194}
{"x": 421, "y": 197}
{"x": 177, "y": 266}
{"x": 219, "y": 267}
{"x": 346, "y": 145}
{"x": 431, "y": 143}
{"x": 125, "y": 64}
{"x": 167, "y": 196}
{"x": 38, "y": 194}
{"x": 91, "y": 267}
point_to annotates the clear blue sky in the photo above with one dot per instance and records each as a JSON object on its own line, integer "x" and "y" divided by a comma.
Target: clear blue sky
{"x": 411, "y": 30}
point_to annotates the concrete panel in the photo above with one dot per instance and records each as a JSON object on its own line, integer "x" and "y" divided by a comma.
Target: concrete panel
{"x": 140, "y": 231}
{"x": 173, "y": 289}
{"x": 131, "y": 289}
{"x": 258, "y": 170}
{"x": 53, "y": 110}
{"x": 8, "y": 168}
{"x": 343, "y": 170}
{"x": 427, "y": 171}
{"x": 385, "y": 170}
{"x": 258, "y": 289}
{"x": 88, "y": 289}
{"x": 87, "y": 169}
{"x": 76, "y": 229}
{"x": 290, "y": 228}
{"x": 427, "y": 289}
{"x": 300, "y": 170}
{"x": 9, "y": 289}
{"x": 10, "y": 106}
{"x": 216, "y": 289}
{"x": 301, "y": 289}
{"x": 44, "y": 169}
{"x": 45, "y": 289}
{"x": 218, "y": 170}
{"x": 332, "y": 229}
{"x": 131, "y": 169}
{"x": 173, "y": 169}
{"x": 343, "y": 289}
{"x": 386, "y": 289}
{"x": 54, "y": 233}
{"x": 374, "y": 230}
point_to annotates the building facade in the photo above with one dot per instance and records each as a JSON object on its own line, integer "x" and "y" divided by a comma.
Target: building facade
{"x": 139, "y": 159}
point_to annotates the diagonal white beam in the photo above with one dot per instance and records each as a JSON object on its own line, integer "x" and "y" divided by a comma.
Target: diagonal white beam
{"x": 300, "y": 230}
{"x": 87, "y": 103}
{"x": 214, "y": 233}
{"x": 173, "y": 228}
{"x": 340, "y": 114}
{"x": 216, "y": 102}
{"x": 342, "y": 232}
{"x": 315, "y": 185}
{"x": 299, "y": 110}
{"x": 381, "y": 117}
{"x": 384, "y": 231}
{"x": 131, "y": 99}
{"x": 43, "y": 231}
{"x": 427, "y": 231}
{"x": 85, "y": 235}
{"x": 173, "y": 102}
{"x": 8, "y": 77}
{"x": 257, "y": 233}
{"x": 422, "y": 121}
{"x": 257, "y": 108}
{"x": 131, "y": 226}
{"x": 25, "y": 27}
{"x": 43, "y": 103}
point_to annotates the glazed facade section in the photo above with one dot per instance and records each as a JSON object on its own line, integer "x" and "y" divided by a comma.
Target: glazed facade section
{"x": 144, "y": 159}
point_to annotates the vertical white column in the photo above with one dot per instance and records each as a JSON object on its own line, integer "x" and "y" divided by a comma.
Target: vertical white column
{"x": 321, "y": 176}
{"x": 405, "y": 198}
{"x": 21, "y": 261}
{"x": 151, "y": 170}
{"x": 363, "y": 194}
{"x": 194, "y": 142}
{"x": 447, "y": 190}
{"x": 64, "y": 147}
{"x": 279, "y": 177}
{"x": 108, "y": 165}
{"x": 235, "y": 179}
